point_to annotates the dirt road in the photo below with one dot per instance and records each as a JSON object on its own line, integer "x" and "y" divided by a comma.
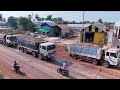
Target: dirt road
{"x": 33, "y": 68}
{"x": 88, "y": 70}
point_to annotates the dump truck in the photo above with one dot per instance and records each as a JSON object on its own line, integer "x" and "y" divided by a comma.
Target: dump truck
{"x": 105, "y": 56}
{"x": 8, "y": 39}
{"x": 42, "y": 49}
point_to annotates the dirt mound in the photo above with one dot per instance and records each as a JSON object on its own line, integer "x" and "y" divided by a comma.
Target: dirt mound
{"x": 32, "y": 38}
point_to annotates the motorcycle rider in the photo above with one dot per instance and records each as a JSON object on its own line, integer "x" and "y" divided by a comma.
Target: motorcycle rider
{"x": 15, "y": 65}
{"x": 64, "y": 67}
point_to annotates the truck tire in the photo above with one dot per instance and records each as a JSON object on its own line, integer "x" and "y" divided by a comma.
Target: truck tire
{"x": 25, "y": 51}
{"x": 6, "y": 44}
{"x": 81, "y": 58}
{"x": 33, "y": 54}
{"x": 22, "y": 49}
{"x": 106, "y": 64}
{"x": 77, "y": 57}
{"x": 94, "y": 61}
{"x": 40, "y": 56}
{"x": 19, "y": 48}
{"x": 74, "y": 56}
{"x": 70, "y": 55}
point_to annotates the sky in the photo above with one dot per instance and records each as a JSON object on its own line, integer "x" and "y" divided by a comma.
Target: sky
{"x": 106, "y": 16}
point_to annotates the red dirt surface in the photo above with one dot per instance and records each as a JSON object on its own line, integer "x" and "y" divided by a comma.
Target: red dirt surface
{"x": 89, "y": 69}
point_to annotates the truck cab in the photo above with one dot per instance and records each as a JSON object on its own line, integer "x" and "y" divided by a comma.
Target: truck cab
{"x": 112, "y": 57}
{"x": 47, "y": 50}
{"x": 10, "y": 40}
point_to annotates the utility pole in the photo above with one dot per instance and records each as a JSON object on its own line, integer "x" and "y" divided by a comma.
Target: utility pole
{"x": 32, "y": 16}
{"x": 83, "y": 28}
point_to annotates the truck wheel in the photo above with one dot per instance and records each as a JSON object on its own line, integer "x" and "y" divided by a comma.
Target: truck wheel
{"x": 94, "y": 61}
{"x": 25, "y": 51}
{"x": 22, "y": 49}
{"x": 77, "y": 57}
{"x": 19, "y": 48}
{"x": 33, "y": 54}
{"x": 6, "y": 44}
{"x": 40, "y": 56}
{"x": 105, "y": 64}
{"x": 81, "y": 58}
{"x": 74, "y": 56}
{"x": 70, "y": 55}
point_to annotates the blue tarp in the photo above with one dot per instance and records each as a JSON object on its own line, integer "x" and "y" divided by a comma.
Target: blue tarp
{"x": 83, "y": 49}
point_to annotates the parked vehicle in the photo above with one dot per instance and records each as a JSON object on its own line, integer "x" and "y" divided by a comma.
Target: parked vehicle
{"x": 8, "y": 40}
{"x": 105, "y": 56}
{"x": 42, "y": 50}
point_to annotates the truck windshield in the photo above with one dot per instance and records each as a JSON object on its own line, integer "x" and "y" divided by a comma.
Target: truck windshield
{"x": 51, "y": 47}
{"x": 12, "y": 38}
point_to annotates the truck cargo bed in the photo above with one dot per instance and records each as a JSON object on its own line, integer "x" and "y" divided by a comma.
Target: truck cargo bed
{"x": 92, "y": 52}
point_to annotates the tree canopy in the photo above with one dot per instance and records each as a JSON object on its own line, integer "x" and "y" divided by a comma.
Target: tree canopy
{"x": 12, "y": 22}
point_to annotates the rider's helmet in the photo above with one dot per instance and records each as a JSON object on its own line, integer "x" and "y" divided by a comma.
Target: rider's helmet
{"x": 64, "y": 64}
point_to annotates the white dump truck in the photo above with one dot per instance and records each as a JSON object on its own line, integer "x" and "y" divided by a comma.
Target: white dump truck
{"x": 8, "y": 39}
{"x": 105, "y": 56}
{"x": 41, "y": 49}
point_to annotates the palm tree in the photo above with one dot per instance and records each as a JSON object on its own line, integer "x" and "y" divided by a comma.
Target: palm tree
{"x": 52, "y": 19}
{"x": 4, "y": 19}
{"x": 37, "y": 17}
{"x": 30, "y": 17}
{"x": 49, "y": 17}
{"x": 100, "y": 20}
{"x": 42, "y": 19}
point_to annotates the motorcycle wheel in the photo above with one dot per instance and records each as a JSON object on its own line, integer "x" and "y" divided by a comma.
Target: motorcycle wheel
{"x": 65, "y": 73}
{"x": 58, "y": 70}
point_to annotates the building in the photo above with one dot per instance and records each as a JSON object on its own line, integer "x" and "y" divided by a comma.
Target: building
{"x": 117, "y": 29}
{"x": 110, "y": 26}
{"x": 78, "y": 27}
{"x": 66, "y": 31}
{"x": 50, "y": 29}
{"x": 94, "y": 33}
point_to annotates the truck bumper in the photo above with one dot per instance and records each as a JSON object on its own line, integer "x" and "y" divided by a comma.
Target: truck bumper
{"x": 12, "y": 44}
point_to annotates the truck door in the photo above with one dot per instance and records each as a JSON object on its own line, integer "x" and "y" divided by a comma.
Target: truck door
{"x": 113, "y": 58}
{"x": 107, "y": 56}
{"x": 43, "y": 50}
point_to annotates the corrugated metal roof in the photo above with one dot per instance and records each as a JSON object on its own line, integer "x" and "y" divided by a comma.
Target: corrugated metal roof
{"x": 49, "y": 23}
{"x": 63, "y": 26}
{"x": 100, "y": 26}
{"x": 79, "y": 25}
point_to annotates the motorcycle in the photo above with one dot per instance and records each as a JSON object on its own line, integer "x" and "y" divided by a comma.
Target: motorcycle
{"x": 62, "y": 71}
{"x": 16, "y": 68}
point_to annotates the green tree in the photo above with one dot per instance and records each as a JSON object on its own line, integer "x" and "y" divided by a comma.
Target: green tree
{"x": 58, "y": 20}
{"x": 73, "y": 22}
{"x": 100, "y": 20}
{"x": 49, "y": 17}
{"x": 12, "y": 22}
{"x": 26, "y": 24}
{"x": 30, "y": 17}
{"x": 64, "y": 22}
{"x": 52, "y": 19}
{"x": 37, "y": 17}
{"x": 4, "y": 19}
{"x": 42, "y": 19}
